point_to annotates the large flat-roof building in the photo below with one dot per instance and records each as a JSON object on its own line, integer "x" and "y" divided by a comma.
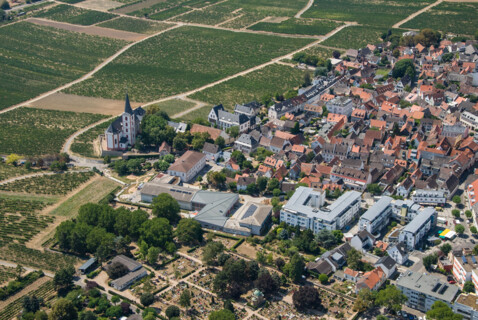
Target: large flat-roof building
{"x": 305, "y": 210}
{"x": 467, "y": 306}
{"x": 377, "y": 216}
{"x": 422, "y": 290}
{"x": 416, "y": 230}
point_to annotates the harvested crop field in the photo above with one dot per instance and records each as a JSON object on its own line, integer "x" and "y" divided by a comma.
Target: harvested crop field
{"x": 91, "y": 30}
{"x": 100, "y": 4}
{"x": 181, "y": 60}
{"x": 70, "y": 102}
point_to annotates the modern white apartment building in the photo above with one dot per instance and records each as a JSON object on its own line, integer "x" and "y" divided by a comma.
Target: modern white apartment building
{"x": 465, "y": 266}
{"x": 378, "y": 216}
{"x": 340, "y": 105}
{"x": 417, "y": 229}
{"x": 305, "y": 210}
{"x": 429, "y": 197}
{"x": 422, "y": 290}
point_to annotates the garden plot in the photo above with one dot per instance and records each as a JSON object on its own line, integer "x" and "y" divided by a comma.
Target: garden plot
{"x": 135, "y": 25}
{"x": 43, "y": 58}
{"x": 270, "y": 80}
{"x": 458, "y": 18}
{"x": 150, "y": 285}
{"x": 154, "y": 68}
{"x": 33, "y": 132}
{"x": 56, "y": 184}
{"x": 380, "y": 13}
{"x": 75, "y": 15}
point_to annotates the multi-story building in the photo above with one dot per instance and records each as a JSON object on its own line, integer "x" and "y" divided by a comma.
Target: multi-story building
{"x": 340, "y": 105}
{"x": 188, "y": 165}
{"x": 354, "y": 179}
{"x": 377, "y": 217}
{"x": 467, "y": 306}
{"x": 429, "y": 197}
{"x": 422, "y": 290}
{"x": 417, "y": 229}
{"x": 404, "y": 210}
{"x": 305, "y": 210}
{"x": 465, "y": 266}
{"x": 470, "y": 119}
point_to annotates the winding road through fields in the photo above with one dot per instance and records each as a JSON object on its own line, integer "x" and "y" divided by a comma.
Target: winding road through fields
{"x": 413, "y": 15}
{"x": 307, "y": 7}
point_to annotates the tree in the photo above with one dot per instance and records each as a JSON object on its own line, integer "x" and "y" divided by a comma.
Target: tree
{"x": 468, "y": 214}
{"x": 273, "y": 184}
{"x": 157, "y": 232}
{"x": 469, "y": 287}
{"x": 185, "y": 299}
{"x": 429, "y": 260}
{"x": 473, "y": 230}
{"x": 323, "y": 278}
{"x": 165, "y": 206}
{"x": 220, "y": 142}
{"x": 211, "y": 251}
{"x": 31, "y": 304}
{"x": 459, "y": 229}
{"x": 223, "y": 314}
{"x": 63, "y": 278}
{"x": 306, "y": 297}
{"x": 172, "y": 312}
{"x": 354, "y": 259}
{"x": 5, "y": 5}
{"x": 147, "y": 299}
{"x": 266, "y": 283}
{"x": 391, "y": 298}
{"x": 326, "y": 239}
{"x": 179, "y": 143}
{"x": 216, "y": 178}
{"x": 12, "y": 158}
{"x": 63, "y": 309}
{"x": 117, "y": 270}
{"x": 189, "y": 231}
{"x": 455, "y": 213}
{"x": 336, "y": 54}
{"x": 296, "y": 267}
{"x": 114, "y": 312}
{"x": 234, "y": 131}
{"x": 441, "y": 311}
{"x": 87, "y": 315}
{"x": 374, "y": 189}
{"x": 456, "y": 199}
{"x": 403, "y": 67}
{"x": 446, "y": 248}
{"x": 161, "y": 165}
{"x": 307, "y": 79}
{"x": 261, "y": 183}
{"x": 365, "y": 300}
{"x": 153, "y": 254}
{"x": 19, "y": 270}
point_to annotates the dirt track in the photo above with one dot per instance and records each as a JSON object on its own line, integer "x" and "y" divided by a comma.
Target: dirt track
{"x": 91, "y": 30}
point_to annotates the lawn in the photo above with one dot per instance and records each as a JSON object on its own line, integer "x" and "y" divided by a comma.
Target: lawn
{"x": 253, "y": 86}
{"x": 94, "y": 192}
{"x": 42, "y": 58}
{"x": 201, "y": 113}
{"x": 455, "y": 17}
{"x": 298, "y": 26}
{"x": 55, "y": 184}
{"x": 135, "y": 25}
{"x": 75, "y": 15}
{"x": 380, "y": 13}
{"x": 19, "y": 219}
{"x": 35, "y": 132}
{"x": 354, "y": 37}
{"x": 181, "y": 60}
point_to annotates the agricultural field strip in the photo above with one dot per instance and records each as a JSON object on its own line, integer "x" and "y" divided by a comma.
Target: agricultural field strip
{"x": 289, "y": 55}
{"x": 35, "y": 175}
{"x": 195, "y": 9}
{"x": 67, "y": 146}
{"x": 413, "y": 15}
{"x": 86, "y": 76}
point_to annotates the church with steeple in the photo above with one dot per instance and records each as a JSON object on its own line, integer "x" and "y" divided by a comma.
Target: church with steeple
{"x": 122, "y": 132}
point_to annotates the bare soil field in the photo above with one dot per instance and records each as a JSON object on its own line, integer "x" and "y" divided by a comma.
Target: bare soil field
{"x": 91, "y": 30}
{"x": 71, "y": 102}
{"x": 100, "y": 5}
{"x": 138, "y": 6}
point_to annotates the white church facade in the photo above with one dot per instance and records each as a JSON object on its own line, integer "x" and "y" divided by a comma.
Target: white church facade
{"x": 122, "y": 132}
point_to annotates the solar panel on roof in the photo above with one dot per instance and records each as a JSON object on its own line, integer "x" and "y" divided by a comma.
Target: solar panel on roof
{"x": 443, "y": 289}
{"x": 250, "y": 211}
{"x": 464, "y": 259}
{"x": 435, "y": 288}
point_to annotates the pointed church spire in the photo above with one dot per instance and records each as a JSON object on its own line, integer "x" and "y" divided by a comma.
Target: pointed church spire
{"x": 127, "y": 105}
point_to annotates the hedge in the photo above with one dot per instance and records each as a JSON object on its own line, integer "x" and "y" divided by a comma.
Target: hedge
{"x": 238, "y": 243}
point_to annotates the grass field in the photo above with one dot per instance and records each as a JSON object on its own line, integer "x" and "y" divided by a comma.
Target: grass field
{"x": 42, "y": 58}
{"x": 198, "y": 113}
{"x": 75, "y": 15}
{"x": 181, "y": 60}
{"x": 19, "y": 221}
{"x": 94, "y": 192}
{"x": 454, "y": 17}
{"x": 354, "y": 37}
{"x": 253, "y": 86}
{"x": 298, "y": 26}
{"x": 33, "y": 132}
{"x": 380, "y": 13}
{"x": 56, "y": 184}
{"x": 135, "y": 25}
